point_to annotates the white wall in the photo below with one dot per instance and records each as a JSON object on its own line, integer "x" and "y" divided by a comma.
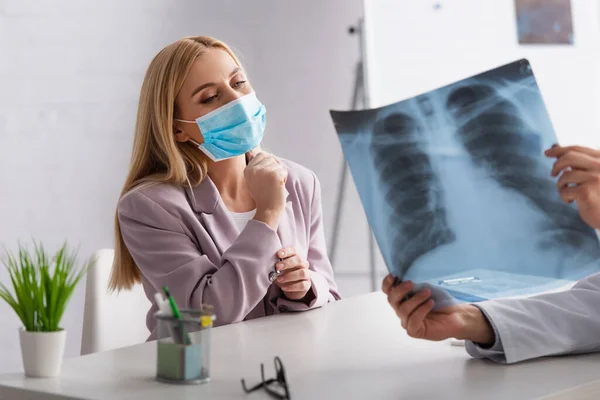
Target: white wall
{"x": 414, "y": 47}
{"x": 70, "y": 73}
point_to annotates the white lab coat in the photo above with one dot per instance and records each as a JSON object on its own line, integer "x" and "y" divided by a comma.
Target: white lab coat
{"x": 550, "y": 324}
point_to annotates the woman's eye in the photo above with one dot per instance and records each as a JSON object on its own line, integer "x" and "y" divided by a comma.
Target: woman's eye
{"x": 209, "y": 100}
{"x": 239, "y": 84}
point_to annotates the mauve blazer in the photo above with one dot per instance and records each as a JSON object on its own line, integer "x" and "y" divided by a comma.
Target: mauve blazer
{"x": 185, "y": 239}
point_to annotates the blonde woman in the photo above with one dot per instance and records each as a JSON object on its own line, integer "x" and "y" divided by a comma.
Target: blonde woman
{"x": 203, "y": 211}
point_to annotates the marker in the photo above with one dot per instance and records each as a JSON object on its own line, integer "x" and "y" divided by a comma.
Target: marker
{"x": 162, "y": 305}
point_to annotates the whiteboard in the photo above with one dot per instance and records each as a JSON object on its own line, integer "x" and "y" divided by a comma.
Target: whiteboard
{"x": 411, "y": 47}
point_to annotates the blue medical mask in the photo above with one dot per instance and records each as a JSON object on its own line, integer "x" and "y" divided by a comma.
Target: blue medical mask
{"x": 233, "y": 129}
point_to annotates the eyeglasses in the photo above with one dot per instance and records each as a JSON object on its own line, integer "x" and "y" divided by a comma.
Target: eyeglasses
{"x": 277, "y": 387}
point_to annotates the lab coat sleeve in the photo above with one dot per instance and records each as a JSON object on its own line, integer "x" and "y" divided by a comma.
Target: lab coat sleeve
{"x": 560, "y": 323}
{"x": 494, "y": 352}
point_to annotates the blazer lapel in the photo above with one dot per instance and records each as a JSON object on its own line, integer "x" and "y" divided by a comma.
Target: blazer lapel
{"x": 206, "y": 201}
{"x": 220, "y": 227}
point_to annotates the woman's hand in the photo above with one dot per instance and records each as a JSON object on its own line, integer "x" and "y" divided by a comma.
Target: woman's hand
{"x": 294, "y": 280}
{"x": 463, "y": 321}
{"x": 266, "y": 177}
{"x": 579, "y": 170}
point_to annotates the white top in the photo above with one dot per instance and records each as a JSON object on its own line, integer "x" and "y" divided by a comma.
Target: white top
{"x": 241, "y": 218}
{"x": 351, "y": 349}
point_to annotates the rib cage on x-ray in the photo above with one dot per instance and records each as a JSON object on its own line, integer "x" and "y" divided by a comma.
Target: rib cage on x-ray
{"x": 456, "y": 188}
{"x": 412, "y": 189}
{"x": 498, "y": 139}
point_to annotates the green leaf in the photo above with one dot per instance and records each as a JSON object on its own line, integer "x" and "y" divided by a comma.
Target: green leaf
{"x": 12, "y": 302}
{"x": 42, "y": 285}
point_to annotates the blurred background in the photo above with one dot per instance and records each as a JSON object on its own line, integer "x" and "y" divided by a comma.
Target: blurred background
{"x": 71, "y": 71}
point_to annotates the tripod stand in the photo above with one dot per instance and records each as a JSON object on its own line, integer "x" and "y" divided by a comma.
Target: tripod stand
{"x": 360, "y": 100}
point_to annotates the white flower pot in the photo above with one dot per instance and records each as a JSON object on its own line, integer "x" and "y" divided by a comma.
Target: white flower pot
{"x": 42, "y": 352}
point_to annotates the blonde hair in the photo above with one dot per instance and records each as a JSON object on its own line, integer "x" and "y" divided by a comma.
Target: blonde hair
{"x": 157, "y": 157}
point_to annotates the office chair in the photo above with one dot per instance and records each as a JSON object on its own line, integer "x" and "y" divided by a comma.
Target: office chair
{"x": 111, "y": 320}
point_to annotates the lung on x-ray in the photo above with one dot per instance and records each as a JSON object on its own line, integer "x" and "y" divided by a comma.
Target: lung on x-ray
{"x": 458, "y": 192}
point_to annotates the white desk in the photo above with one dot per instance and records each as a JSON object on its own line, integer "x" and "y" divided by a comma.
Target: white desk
{"x": 353, "y": 349}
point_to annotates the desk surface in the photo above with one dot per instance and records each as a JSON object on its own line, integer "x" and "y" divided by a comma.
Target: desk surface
{"x": 353, "y": 349}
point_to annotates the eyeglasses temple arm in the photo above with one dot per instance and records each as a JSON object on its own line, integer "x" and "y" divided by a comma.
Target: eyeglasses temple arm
{"x": 252, "y": 389}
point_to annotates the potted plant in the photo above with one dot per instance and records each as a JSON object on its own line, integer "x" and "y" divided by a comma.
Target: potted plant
{"x": 41, "y": 288}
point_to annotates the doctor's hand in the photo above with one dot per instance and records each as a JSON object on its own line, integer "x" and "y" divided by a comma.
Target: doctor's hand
{"x": 579, "y": 182}
{"x": 265, "y": 177}
{"x": 464, "y": 321}
{"x": 294, "y": 280}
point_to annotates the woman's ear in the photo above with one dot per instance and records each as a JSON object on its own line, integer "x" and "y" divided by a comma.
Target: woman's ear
{"x": 180, "y": 134}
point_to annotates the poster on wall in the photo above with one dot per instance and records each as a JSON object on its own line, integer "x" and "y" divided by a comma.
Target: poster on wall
{"x": 544, "y": 21}
{"x": 458, "y": 192}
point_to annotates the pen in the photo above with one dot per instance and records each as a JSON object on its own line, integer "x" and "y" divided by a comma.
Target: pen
{"x": 165, "y": 310}
{"x": 176, "y": 312}
{"x": 182, "y": 333}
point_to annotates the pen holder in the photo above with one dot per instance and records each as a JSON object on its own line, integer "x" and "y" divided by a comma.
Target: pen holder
{"x": 183, "y": 353}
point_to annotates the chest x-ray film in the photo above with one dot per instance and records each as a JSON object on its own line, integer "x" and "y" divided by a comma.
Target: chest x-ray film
{"x": 458, "y": 192}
